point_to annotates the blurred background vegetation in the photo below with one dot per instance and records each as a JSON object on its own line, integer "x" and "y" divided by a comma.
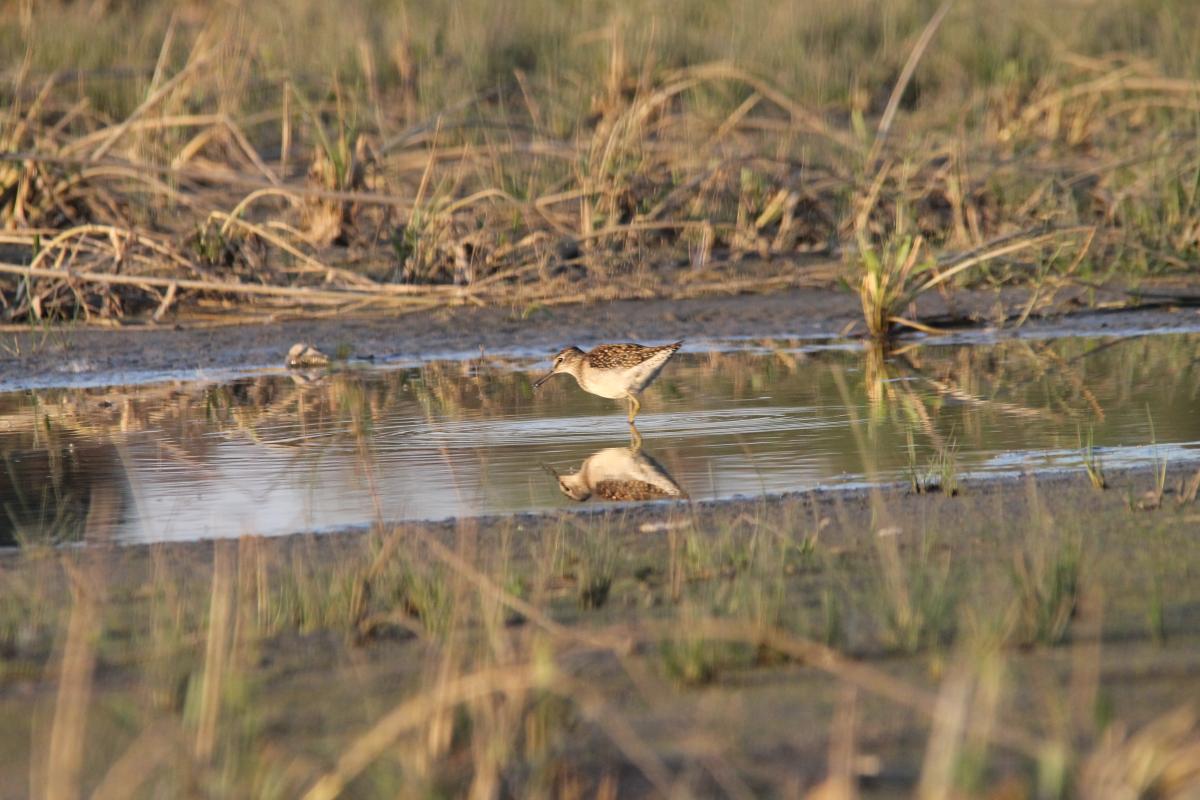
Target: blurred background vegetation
{"x": 535, "y": 150}
{"x": 943, "y": 639}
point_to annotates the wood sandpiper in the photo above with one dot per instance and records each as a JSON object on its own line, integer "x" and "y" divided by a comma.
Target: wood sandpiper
{"x": 613, "y": 370}
{"x": 619, "y": 473}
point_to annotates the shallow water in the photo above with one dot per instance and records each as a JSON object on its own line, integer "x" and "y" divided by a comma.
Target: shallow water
{"x": 278, "y": 453}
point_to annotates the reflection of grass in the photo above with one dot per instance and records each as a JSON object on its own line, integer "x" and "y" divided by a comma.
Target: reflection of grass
{"x": 49, "y": 519}
{"x": 927, "y": 390}
{"x": 42, "y": 509}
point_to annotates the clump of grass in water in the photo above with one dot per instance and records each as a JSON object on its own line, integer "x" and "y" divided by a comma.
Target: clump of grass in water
{"x": 947, "y": 466}
{"x": 941, "y": 473}
{"x": 892, "y": 269}
{"x": 1091, "y": 463}
{"x": 1153, "y": 498}
{"x": 889, "y": 281}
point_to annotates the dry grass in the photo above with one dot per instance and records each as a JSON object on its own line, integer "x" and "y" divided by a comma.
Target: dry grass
{"x": 207, "y": 685}
{"x": 409, "y": 158}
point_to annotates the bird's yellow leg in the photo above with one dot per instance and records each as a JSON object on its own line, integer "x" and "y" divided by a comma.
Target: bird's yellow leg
{"x": 634, "y": 407}
{"x": 635, "y": 438}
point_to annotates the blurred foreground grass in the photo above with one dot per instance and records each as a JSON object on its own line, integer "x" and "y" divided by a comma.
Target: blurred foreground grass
{"x": 1031, "y": 638}
{"x": 411, "y": 155}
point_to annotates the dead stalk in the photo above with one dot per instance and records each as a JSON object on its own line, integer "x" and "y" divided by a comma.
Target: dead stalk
{"x": 216, "y": 651}
{"x": 63, "y": 760}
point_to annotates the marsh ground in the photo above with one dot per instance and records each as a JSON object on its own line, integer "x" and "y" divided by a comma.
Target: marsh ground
{"x": 81, "y": 355}
{"x": 407, "y": 181}
{"x": 1029, "y": 637}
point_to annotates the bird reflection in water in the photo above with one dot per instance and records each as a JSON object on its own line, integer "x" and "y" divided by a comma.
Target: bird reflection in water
{"x": 619, "y": 474}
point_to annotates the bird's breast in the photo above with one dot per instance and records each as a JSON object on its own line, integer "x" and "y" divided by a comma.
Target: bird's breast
{"x": 605, "y": 383}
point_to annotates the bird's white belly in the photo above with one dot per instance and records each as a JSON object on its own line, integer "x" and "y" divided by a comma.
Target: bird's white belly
{"x": 605, "y": 384}
{"x": 617, "y": 384}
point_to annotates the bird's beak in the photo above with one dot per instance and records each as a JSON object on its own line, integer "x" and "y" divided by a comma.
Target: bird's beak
{"x": 543, "y": 379}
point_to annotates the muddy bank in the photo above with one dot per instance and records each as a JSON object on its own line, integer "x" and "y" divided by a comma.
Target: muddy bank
{"x": 70, "y": 355}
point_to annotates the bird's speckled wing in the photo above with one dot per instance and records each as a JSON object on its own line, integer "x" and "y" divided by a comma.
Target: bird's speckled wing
{"x": 630, "y": 490}
{"x": 619, "y": 473}
{"x": 625, "y": 356}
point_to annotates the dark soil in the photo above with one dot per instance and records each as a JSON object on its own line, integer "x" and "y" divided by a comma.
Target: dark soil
{"x": 98, "y": 356}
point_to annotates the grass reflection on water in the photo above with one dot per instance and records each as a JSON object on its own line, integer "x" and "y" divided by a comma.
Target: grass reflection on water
{"x": 284, "y": 452}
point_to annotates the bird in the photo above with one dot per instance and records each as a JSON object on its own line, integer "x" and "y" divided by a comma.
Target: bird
{"x": 615, "y": 371}
{"x": 303, "y": 356}
{"x": 620, "y": 474}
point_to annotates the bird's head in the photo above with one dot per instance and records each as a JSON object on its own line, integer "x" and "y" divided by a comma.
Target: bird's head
{"x": 566, "y": 360}
{"x": 573, "y": 486}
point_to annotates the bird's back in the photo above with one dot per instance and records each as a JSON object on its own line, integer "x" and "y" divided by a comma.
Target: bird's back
{"x": 616, "y": 370}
